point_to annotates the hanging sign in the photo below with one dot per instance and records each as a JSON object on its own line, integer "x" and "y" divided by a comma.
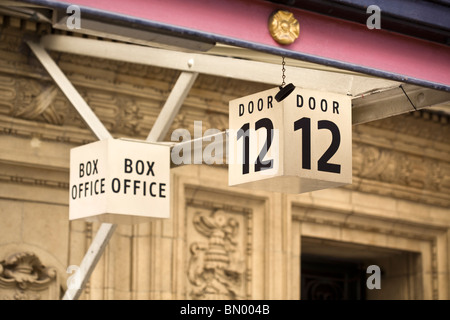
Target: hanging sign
{"x": 300, "y": 144}
{"x": 119, "y": 181}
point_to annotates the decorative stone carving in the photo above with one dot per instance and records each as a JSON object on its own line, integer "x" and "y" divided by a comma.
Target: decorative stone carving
{"x": 40, "y": 105}
{"x": 23, "y": 277}
{"x": 394, "y": 167}
{"x": 211, "y": 270}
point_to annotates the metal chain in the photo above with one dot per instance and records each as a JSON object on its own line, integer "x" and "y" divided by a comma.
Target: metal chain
{"x": 283, "y": 70}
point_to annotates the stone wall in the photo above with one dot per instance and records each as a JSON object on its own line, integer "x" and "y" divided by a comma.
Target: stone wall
{"x": 221, "y": 242}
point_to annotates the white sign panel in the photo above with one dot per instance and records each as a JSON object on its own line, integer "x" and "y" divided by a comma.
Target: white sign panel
{"x": 119, "y": 181}
{"x": 300, "y": 144}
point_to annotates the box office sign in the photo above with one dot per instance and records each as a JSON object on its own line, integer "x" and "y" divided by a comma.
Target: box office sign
{"x": 120, "y": 181}
{"x": 300, "y": 144}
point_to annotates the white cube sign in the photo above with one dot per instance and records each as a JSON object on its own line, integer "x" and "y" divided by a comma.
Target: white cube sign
{"x": 300, "y": 144}
{"x": 119, "y": 181}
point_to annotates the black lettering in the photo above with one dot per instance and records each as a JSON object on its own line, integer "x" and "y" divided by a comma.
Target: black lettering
{"x": 245, "y": 134}
{"x": 269, "y": 102}
{"x": 260, "y": 104}
{"x": 88, "y": 168}
{"x": 162, "y": 188}
{"x": 95, "y": 186}
{"x": 95, "y": 170}
{"x": 267, "y": 164}
{"x": 128, "y": 164}
{"x": 114, "y": 189}
{"x": 299, "y": 98}
{"x": 323, "y": 104}
{"x": 141, "y": 171}
{"x": 81, "y": 170}
{"x": 80, "y": 188}
{"x": 86, "y": 188}
{"x": 304, "y": 124}
{"x": 74, "y": 188}
{"x": 102, "y": 185}
{"x": 241, "y": 109}
{"x": 151, "y": 189}
{"x": 250, "y": 104}
{"x": 126, "y": 185}
{"x": 150, "y": 168}
{"x": 323, "y": 164}
{"x": 312, "y": 103}
{"x": 335, "y": 107}
{"x": 136, "y": 182}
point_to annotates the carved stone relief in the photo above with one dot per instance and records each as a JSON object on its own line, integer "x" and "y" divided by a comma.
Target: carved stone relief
{"x": 390, "y": 166}
{"x": 219, "y": 254}
{"x": 23, "y": 277}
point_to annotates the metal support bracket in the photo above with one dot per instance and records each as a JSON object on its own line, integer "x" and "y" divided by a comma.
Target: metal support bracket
{"x": 162, "y": 124}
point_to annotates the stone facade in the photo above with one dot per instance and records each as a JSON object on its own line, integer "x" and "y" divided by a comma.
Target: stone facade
{"x": 221, "y": 242}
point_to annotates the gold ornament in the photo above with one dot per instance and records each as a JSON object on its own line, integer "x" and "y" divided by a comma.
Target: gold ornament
{"x": 283, "y": 27}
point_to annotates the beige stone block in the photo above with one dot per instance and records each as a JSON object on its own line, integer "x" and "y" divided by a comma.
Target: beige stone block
{"x": 141, "y": 263}
{"x": 77, "y": 226}
{"x": 208, "y": 173}
{"x": 144, "y": 295}
{"x": 294, "y": 276}
{"x": 165, "y": 262}
{"x": 413, "y": 211}
{"x": 334, "y": 195}
{"x": 99, "y": 280}
{"x": 324, "y": 216}
{"x": 259, "y": 256}
{"x": 384, "y": 206}
{"x": 364, "y": 237}
{"x": 298, "y": 212}
{"x": 167, "y": 296}
{"x": 401, "y": 243}
{"x": 179, "y": 268}
{"x": 156, "y": 267}
{"x": 11, "y": 213}
{"x": 40, "y": 153}
{"x": 167, "y": 227}
{"x": 371, "y": 224}
{"x": 122, "y": 295}
{"x": 443, "y": 268}
{"x": 143, "y": 229}
{"x": 31, "y": 192}
{"x": 440, "y": 214}
{"x": 276, "y": 217}
{"x": 320, "y": 231}
{"x": 96, "y": 293}
{"x": 427, "y": 286}
{"x": 425, "y": 250}
{"x": 121, "y": 246}
{"x": 47, "y": 226}
{"x": 77, "y": 247}
{"x": 301, "y": 197}
{"x": 125, "y": 230}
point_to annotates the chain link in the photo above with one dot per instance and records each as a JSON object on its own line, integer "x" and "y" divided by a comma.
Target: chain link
{"x": 283, "y": 70}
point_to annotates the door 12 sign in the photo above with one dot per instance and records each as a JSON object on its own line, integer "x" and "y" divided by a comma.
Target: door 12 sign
{"x": 300, "y": 144}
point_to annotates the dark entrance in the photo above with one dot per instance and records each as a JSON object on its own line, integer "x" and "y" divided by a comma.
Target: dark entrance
{"x": 331, "y": 279}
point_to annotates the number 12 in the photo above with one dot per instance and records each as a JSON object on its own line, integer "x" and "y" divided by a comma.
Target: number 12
{"x": 303, "y": 124}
